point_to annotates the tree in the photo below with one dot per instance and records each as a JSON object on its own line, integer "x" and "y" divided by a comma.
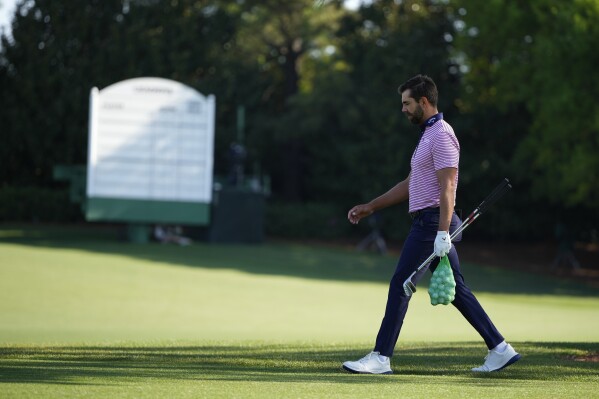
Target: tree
{"x": 536, "y": 60}
{"x": 277, "y": 35}
{"x": 354, "y": 110}
{"x": 60, "y": 50}
{"x": 45, "y": 89}
{"x": 357, "y": 141}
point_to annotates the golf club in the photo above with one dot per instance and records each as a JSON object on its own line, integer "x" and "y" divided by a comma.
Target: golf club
{"x": 503, "y": 187}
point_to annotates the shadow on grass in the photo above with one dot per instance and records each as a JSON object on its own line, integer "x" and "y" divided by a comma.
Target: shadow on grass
{"x": 285, "y": 259}
{"x": 290, "y": 363}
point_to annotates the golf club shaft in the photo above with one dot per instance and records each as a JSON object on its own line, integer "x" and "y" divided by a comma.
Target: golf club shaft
{"x": 462, "y": 227}
{"x": 497, "y": 193}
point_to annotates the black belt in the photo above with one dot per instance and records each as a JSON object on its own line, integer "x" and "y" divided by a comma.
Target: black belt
{"x": 421, "y": 212}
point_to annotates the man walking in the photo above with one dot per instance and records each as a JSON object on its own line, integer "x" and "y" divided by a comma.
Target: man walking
{"x": 430, "y": 189}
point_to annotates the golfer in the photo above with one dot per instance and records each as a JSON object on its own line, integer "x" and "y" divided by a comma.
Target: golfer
{"x": 430, "y": 189}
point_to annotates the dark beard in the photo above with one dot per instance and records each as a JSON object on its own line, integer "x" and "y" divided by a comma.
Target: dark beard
{"x": 418, "y": 116}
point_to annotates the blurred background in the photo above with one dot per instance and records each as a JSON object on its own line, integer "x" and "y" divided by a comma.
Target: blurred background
{"x": 308, "y": 90}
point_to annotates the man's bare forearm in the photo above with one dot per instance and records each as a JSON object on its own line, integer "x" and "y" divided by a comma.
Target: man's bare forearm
{"x": 447, "y": 198}
{"x": 397, "y": 194}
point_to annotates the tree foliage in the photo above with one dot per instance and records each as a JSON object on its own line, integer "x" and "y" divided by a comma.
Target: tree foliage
{"x": 355, "y": 106}
{"x": 534, "y": 63}
{"x": 60, "y": 50}
{"x": 319, "y": 86}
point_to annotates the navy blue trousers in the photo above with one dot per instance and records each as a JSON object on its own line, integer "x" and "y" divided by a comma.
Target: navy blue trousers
{"x": 417, "y": 247}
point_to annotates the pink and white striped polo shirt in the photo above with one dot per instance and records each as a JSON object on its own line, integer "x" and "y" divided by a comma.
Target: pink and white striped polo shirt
{"x": 438, "y": 148}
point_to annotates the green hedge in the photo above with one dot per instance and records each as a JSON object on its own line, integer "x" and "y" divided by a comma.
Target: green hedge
{"x": 327, "y": 221}
{"x": 33, "y": 204}
{"x": 306, "y": 220}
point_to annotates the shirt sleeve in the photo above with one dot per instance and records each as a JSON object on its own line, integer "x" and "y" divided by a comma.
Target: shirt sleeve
{"x": 445, "y": 150}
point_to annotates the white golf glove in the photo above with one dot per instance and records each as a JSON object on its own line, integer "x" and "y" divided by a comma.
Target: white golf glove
{"x": 442, "y": 243}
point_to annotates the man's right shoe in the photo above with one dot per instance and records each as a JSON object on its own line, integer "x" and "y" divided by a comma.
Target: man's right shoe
{"x": 369, "y": 364}
{"x": 496, "y": 361}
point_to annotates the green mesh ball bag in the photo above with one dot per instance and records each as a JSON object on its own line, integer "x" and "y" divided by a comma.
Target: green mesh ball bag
{"x": 442, "y": 285}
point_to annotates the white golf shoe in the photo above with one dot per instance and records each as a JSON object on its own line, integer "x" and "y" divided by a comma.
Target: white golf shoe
{"x": 369, "y": 364}
{"x": 496, "y": 361}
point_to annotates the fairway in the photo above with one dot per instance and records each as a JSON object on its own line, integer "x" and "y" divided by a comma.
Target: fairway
{"x": 255, "y": 370}
{"x": 82, "y": 314}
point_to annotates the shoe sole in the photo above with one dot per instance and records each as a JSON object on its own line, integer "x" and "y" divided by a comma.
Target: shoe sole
{"x": 364, "y": 372}
{"x": 513, "y": 360}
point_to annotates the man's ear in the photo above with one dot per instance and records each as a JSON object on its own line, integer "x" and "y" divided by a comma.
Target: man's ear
{"x": 423, "y": 101}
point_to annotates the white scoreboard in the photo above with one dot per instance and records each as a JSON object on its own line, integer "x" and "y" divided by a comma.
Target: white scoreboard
{"x": 151, "y": 145}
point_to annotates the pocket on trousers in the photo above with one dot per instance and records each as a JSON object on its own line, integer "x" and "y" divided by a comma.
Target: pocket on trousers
{"x": 455, "y": 223}
{"x": 430, "y": 220}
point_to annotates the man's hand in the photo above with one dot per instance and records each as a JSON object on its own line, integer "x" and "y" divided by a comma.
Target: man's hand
{"x": 442, "y": 244}
{"x": 358, "y": 212}
{"x": 395, "y": 195}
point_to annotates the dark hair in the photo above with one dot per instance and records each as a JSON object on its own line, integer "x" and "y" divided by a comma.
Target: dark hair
{"x": 421, "y": 86}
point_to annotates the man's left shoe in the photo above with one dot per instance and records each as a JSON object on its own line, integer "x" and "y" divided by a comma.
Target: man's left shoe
{"x": 496, "y": 361}
{"x": 369, "y": 364}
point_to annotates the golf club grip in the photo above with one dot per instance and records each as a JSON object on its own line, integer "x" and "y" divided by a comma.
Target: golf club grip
{"x": 497, "y": 193}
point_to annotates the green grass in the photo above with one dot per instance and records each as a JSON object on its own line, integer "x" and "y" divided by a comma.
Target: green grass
{"x": 84, "y": 315}
{"x": 255, "y": 370}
